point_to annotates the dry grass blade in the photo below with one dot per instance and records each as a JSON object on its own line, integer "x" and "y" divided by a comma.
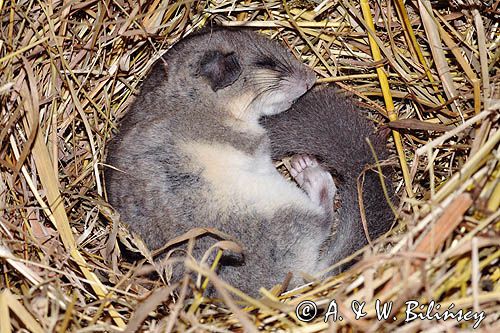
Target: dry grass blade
{"x": 415, "y": 124}
{"x": 438, "y": 55}
{"x": 150, "y": 304}
{"x": 16, "y": 307}
{"x": 5, "y": 326}
{"x": 445, "y": 225}
{"x": 384, "y": 84}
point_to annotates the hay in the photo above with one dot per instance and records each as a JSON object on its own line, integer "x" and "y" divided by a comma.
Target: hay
{"x": 67, "y": 71}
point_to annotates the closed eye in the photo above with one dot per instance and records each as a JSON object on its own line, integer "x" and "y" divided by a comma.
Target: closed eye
{"x": 266, "y": 62}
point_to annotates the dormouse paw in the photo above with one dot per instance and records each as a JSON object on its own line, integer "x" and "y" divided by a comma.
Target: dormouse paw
{"x": 314, "y": 180}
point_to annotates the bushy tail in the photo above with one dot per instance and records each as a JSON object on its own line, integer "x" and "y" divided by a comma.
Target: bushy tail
{"x": 329, "y": 126}
{"x": 350, "y": 235}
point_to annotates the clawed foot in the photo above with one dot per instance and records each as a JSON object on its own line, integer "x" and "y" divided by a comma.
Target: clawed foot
{"x": 314, "y": 180}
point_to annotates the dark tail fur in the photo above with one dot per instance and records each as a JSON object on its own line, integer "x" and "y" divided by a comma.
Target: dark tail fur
{"x": 327, "y": 125}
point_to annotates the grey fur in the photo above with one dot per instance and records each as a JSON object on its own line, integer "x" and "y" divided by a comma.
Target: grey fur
{"x": 329, "y": 126}
{"x": 191, "y": 153}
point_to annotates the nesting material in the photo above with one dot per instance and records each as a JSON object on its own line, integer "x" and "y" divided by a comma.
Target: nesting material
{"x": 428, "y": 69}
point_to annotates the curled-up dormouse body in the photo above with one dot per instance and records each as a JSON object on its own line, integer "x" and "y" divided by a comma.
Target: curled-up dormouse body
{"x": 191, "y": 153}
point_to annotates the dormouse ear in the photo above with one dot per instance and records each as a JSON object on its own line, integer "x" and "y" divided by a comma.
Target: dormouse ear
{"x": 220, "y": 69}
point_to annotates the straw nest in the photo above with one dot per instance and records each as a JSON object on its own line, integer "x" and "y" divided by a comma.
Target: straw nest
{"x": 69, "y": 70}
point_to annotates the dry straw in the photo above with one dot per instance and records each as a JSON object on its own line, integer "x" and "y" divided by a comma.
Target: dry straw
{"x": 68, "y": 71}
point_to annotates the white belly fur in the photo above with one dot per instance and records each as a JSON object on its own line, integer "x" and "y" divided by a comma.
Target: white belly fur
{"x": 240, "y": 178}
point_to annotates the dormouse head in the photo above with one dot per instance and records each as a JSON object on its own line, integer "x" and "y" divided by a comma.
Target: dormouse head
{"x": 240, "y": 71}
